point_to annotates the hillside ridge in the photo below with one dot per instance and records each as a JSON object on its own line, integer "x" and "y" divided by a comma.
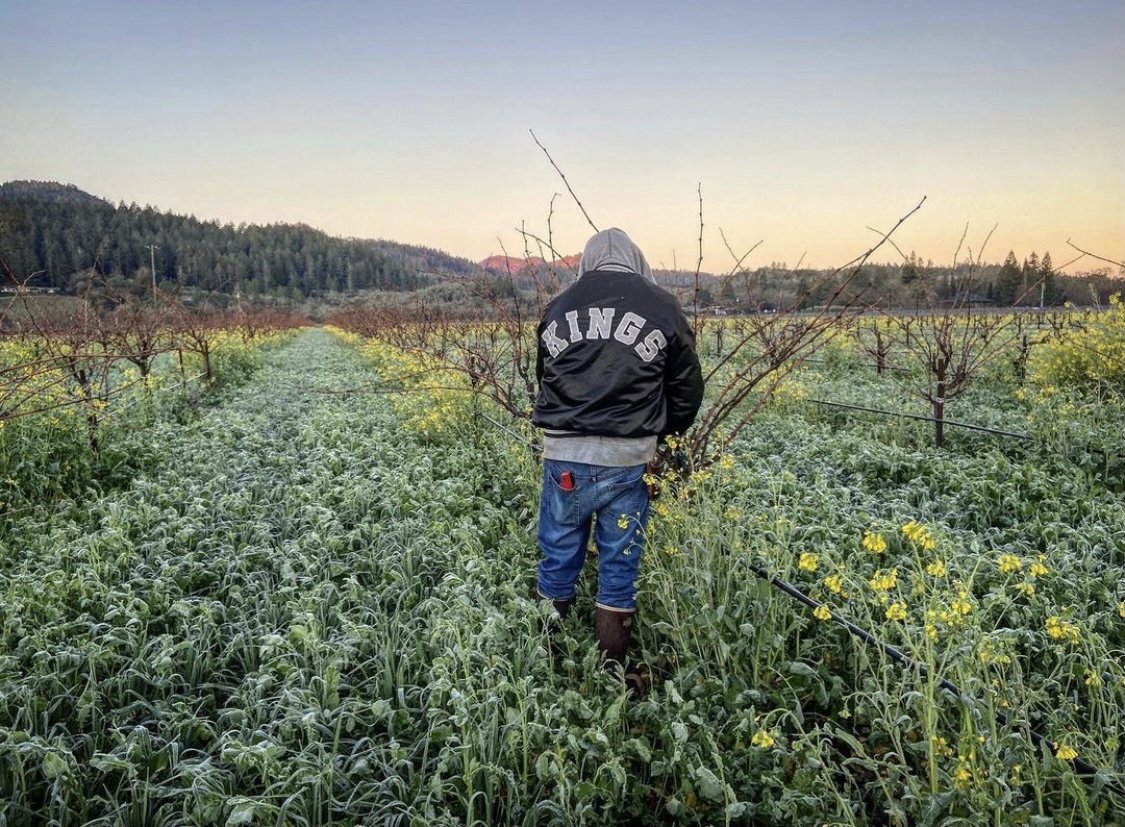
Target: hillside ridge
{"x": 58, "y": 236}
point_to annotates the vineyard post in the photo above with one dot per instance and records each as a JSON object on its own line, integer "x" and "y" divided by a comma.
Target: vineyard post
{"x": 152, "y": 248}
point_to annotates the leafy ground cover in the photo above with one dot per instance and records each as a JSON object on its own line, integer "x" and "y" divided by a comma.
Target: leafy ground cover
{"x": 60, "y": 440}
{"x": 315, "y": 606}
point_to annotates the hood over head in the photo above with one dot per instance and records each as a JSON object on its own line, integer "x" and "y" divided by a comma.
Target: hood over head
{"x": 613, "y": 250}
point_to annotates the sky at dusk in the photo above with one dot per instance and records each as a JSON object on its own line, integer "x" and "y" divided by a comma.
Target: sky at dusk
{"x": 804, "y": 123}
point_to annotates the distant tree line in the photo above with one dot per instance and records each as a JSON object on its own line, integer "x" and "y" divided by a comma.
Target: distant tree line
{"x": 55, "y": 236}
{"x": 62, "y": 237}
{"x": 914, "y": 282}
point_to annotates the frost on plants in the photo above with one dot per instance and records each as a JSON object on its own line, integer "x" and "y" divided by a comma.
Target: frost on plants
{"x": 313, "y": 603}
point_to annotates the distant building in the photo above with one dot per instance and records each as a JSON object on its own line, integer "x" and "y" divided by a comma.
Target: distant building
{"x": 707, "y": 310}
{"x": 973, "y": 300}
{"x": 20, "y": 289}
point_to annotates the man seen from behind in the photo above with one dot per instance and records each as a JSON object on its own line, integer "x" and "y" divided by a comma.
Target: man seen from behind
{"x": 618, "y": 373}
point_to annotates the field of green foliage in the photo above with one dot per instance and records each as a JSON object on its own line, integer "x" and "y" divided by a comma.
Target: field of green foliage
{"x": 311, "y": 603}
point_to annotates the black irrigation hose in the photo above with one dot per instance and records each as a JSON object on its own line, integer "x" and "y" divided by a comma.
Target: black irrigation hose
{"x": 1081, "y": 767}
{"x": 955, "y": 424}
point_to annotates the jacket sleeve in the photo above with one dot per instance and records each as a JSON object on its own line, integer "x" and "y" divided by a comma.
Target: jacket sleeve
{"x": 539, "y": 355}
{"x": 683, "y": 383}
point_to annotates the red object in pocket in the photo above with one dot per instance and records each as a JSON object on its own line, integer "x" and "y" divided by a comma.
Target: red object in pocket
{"x": 566, "y": 481}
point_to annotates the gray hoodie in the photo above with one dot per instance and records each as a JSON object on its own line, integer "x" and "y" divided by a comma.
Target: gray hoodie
{"x": 613, "y": 250}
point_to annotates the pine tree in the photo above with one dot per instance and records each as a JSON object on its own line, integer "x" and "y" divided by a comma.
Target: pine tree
{"x": 1029, "y": 276}
{"x": 910, "y": 268}
{"x": 1008, "y": 281}
{"x": 1050, "y": 293}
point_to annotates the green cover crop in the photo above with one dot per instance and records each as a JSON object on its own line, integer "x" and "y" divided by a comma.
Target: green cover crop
{"x": 315, "y": 606}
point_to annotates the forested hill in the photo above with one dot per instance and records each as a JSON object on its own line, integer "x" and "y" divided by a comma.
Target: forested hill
{"x": 63, "y": 235}
{"x": 49, "y": 191}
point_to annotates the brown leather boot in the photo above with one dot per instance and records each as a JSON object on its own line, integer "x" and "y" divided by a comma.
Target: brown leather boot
{"x": 614, "y": 631}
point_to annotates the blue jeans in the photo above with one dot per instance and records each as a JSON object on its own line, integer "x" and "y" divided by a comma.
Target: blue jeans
{"x": 617, "y": 501}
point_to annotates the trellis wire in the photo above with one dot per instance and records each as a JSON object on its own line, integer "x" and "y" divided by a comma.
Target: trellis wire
{"x": 954, "y": 423}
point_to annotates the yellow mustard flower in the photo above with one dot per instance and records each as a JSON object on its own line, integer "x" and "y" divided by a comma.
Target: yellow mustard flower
{"x": 835, "y": 584}
{"x": 808, "y": 562}
{"x": 1060, "y": 629}
{"x": 884, "y": 581}
{"x": 874, "y": 542}
{"x": 762, "y": 739}
{"x": 988, "y": 655}
{"x": 822, "y": 612}
{"x": 896, "y": 611}
{"x": 1026, "y": 588}
{"x": 1065, "y": 752}
{"x": 919, "y": 534}
{"x": 1038, "y": 569}
{"x": 1010, "y": 563}
{"x": 937, "y": 569}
